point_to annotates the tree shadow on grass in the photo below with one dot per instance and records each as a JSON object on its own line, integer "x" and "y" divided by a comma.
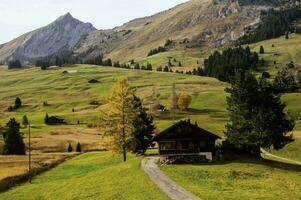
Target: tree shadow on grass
{"x": 247, "y": 159}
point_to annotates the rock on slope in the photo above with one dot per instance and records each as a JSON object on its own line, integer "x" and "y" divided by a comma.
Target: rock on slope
{"x": 64, "y": 33}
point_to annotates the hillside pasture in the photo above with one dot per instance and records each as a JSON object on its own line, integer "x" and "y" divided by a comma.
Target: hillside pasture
{"x": 280, "y": 50}
{"x": 242, "y": 178}
{"x": 96, "y": 175}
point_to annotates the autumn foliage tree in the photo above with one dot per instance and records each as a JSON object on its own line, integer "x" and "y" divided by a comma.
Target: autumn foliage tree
{"x": 184, "y": 101}
{"x": 118, "y": 120}
{"x": 173, "y": 99}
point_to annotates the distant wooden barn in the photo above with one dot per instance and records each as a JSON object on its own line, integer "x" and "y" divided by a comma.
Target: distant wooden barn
{"x": 184, "y": 138}
{"x": 54, "y": 120}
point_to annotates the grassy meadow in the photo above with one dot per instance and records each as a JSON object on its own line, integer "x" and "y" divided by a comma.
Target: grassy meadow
{"x": 102, "y": 175}
{"x": 281, "y": 50}
{"x": 244, "y": 179}
{"x": 99, "y": 175}
{"x": 65, "y": 92}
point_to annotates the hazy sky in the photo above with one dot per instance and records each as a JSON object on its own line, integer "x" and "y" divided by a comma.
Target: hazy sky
{"x": 21, "y": 16}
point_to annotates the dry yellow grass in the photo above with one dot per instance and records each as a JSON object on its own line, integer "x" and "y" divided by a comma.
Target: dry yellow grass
{"x": 12, "y": 166}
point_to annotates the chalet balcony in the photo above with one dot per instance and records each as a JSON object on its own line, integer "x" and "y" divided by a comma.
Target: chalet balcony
{"x": 179, "y": 151}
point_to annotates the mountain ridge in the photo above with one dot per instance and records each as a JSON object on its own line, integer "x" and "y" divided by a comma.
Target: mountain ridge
{"x": 193, "y": 24}
{"x": 63, "y": 33}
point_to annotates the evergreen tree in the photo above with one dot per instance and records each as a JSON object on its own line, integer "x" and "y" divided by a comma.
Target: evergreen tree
{"x": 13, "y": 140}
{"x": 25, "y": 121}
{"x": 58, "y": 61}
{"x": 18, "y": 103}
{"x": 274, "y": 23}
{"x": 78, "y": 147}
{"x": 224, "y": 65}
{"x": 149, "y": 67}
{"x": 69, "y": 148}
{"x": 46, "y": 119}
{"x": 166, "y": 69}
{"x": 257, "y": 116}
{"x": 14, "y": 64}
{"x": 118, "y": 120}
{"x": 143, "y": 127}
{"x": 261, "y": 50}
{"x": 169, "y": 63}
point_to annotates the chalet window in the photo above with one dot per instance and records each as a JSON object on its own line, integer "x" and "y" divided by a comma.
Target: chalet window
{"x": 166, "y": 145}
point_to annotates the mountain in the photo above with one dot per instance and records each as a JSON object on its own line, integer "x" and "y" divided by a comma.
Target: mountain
{"x": 63, "y": 33}
{"x": 194, "y": 24}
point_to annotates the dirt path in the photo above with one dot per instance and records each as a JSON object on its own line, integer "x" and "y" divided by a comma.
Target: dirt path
{"x": 169, "y": 187}
{"x": 267, "y": 154}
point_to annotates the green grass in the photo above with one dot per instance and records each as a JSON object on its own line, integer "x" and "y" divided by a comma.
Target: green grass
{"x": 189, "y": 58}
{"x": 283, "y": 52}
{"x": 240, "y": 179}
{"x": 291, "y": 151}
{"x": 64, "y": 92}
{"x": 97, "y": 175}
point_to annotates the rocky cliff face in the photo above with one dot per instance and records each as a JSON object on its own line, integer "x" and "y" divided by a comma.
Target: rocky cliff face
{"x": 64, "y": 33}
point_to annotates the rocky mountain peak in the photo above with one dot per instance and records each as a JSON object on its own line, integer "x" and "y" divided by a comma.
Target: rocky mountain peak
{"x": 63, "y": 33}
{"x": 66, "y": 17}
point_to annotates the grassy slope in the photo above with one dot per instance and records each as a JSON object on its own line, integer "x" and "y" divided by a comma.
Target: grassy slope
{"x": 90, "y": 176}
{"x": 189, "y": 59}
{"x": 283, "y": 52}
{"x": 64, "y": 92}
{"x": 243, "y": 179}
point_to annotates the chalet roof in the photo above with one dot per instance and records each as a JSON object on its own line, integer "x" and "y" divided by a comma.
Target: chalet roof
{"x": 57, "y": 118}
{"x": 184, "y": 124}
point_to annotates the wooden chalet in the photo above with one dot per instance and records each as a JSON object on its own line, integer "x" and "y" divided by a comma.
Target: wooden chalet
{"x": 184, "y": 138}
